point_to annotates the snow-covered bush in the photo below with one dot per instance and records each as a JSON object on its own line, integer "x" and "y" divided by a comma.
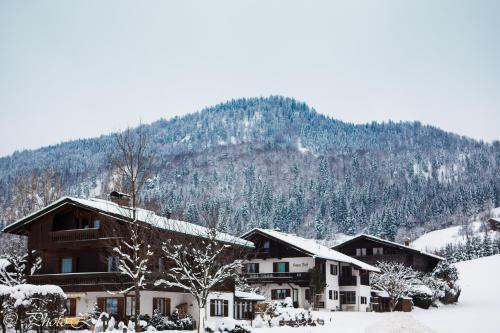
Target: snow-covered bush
{"x": 283, "y": 313}
{"x": 162, "y": 323}
{"x": 228, "y": 325}
{"x": 448, "y": 274}
{"x": 34, "y": 306}
{"x": 258, "y": 322}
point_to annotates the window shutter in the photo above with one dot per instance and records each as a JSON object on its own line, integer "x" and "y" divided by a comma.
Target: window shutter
{"x": 273, "y": 294}
{"x": 121, "y": 308}
{"x": 287, "y": 292}
{"x": 256, "y": 268}
{"x": 226, "y": 308}
{"x": 72, "y": 307}
{"x": 275, "y": 267}
{"x": 101, "y": 304}
{"x": 155, "y": 304}
{"x": 287, "y": 266}
{"x": 212, "y": 308}
{"x": 167, "y": 307}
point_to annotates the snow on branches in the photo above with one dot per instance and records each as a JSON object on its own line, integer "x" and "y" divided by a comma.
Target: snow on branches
{"x": 199, "y": 266}
{"x": 396, "y": 279}
{"x": 133, "y": 260}
{"x": 14, "y": 263}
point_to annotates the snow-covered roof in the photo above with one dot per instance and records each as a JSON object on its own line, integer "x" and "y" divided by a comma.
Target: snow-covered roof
{"x": 496, "y": 219}
{"x": 125, "y": 213}
{"x": 248, "y": 296}
{"x": 381, "y": 240}
{"x": 313, "y": 248}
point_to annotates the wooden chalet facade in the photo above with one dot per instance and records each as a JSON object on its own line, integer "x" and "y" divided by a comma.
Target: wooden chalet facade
{"x": 371, "y": 249}
{"x": 279, "y": 265}
{"x": 74, "y": 237}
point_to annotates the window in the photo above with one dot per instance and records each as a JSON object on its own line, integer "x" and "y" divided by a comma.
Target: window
{"x": 112, "y": 306}
{"x": 361, "y": 252}
{"x": 251, "y": 268}
{"x": 266, "y": 245}
{"x": 219, "y": 308}
{"x": 279, "y": 294}
{"x": 162, "y": 305}
{"x": 243, "y": 310}
{"x": 130, "y": 306}
{"x": 378, "y": 251}
{"x": 97, "y": 224}
{"x": 333, "y": 269}
{"x": 280, "y": 267}
{"x": 348, "y": 297}
{"x": 66, "y": 265}
{"x": 363, "y": 300}
{"x": 330, "y": 294}
{"x": 112, "y": 264}
{"x": 335, "y": 295}
{"x": 85, "y": 223}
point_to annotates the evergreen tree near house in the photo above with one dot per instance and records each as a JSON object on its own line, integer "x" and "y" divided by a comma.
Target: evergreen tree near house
{"x": 317, "y": 285}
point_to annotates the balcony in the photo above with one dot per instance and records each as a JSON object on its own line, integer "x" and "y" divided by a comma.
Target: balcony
{"x": 348, "y": 280}
{"x": 301, "y": 279}
{"x": 87, "y": 281}
{"x": 75, "y": 235}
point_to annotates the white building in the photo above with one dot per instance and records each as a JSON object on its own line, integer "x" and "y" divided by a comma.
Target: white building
{"x": 280, "y": 263}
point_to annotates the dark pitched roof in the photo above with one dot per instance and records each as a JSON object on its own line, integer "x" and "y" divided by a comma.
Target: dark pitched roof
{"x": 388, "y": 243}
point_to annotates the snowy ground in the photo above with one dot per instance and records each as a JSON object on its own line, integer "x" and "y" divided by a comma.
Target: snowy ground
{"x": 438, "y": 239}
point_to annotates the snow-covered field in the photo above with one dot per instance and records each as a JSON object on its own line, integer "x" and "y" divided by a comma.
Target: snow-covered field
{"x": 438, "y": 239}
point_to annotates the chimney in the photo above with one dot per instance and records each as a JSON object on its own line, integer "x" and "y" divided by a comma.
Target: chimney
{"x": 407, "y": 241}
{"x": 168, "y": 214}
{"x": 121, "y": 199}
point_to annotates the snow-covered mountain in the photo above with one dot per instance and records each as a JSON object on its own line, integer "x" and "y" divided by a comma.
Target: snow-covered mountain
{"x": 275, "y": 162}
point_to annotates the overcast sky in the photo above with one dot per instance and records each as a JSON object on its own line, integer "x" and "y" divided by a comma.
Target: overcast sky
{"x": 73, "y": 69}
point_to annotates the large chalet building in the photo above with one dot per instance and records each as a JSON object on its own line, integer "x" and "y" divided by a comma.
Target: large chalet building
{"x": 74, "y": 237}
{"x": 371, "y": 250}
{"x": 279, "y": 266}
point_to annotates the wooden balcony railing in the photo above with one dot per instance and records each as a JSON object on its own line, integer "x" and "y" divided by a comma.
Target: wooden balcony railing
{"x": 296, "y": 278}
{"x": 348, "y": 280}
{"x": 78, "y": 279}
{"x": 75, "y": 235}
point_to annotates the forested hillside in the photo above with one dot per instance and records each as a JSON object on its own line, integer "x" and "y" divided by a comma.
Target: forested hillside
{"x": 275, "y": 162}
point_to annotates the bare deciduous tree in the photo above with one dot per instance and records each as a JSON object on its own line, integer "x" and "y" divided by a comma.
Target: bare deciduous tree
{"x": 396, "y": 279}
{"x": 133, "y": 161}
{"x": 203, "y": 260}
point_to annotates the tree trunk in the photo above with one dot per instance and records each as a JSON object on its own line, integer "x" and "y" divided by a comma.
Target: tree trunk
{"x": 393, "y": 303}
{"x": 137, "y": 309}
{"x": 203, "y": 315}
